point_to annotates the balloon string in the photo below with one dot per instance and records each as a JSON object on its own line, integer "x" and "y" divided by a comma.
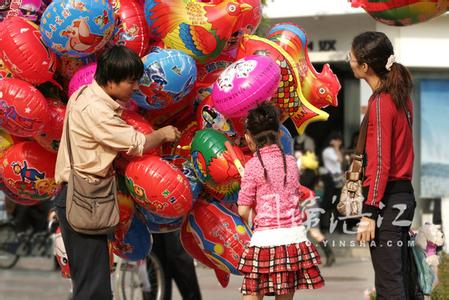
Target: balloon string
{"x": 237, "y": 162}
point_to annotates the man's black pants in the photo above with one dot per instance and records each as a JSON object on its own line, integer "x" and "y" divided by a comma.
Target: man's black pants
{"x": 391, "y": 255}
{"x": 88, "y": 257}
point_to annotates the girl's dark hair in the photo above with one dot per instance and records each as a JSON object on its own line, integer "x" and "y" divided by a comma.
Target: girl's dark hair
{"x": 262, "y": 124}
{"x": 374, "y": 49}
{"x": 118, "y": 64}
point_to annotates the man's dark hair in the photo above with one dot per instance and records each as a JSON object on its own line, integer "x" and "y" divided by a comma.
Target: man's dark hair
{"x": 118, "y": 64}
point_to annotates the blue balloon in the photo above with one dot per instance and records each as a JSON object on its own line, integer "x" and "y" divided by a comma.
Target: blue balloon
{"x": 138, "y": 241}
{"x": 286, "y": 140}
{"x": 158, "y": 224}
{"x": 169, "y": 75}
{"x": 77, "y": 28}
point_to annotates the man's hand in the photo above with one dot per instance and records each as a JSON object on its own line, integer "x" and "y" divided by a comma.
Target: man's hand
{"x": 170, "y": 133}
{"x": 366, "y": 230}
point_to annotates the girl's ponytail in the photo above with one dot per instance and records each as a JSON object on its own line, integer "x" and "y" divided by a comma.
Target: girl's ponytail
{"x": 398, "y": 83}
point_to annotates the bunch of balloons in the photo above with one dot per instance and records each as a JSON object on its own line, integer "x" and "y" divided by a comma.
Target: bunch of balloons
{"x": 204, "y": 70}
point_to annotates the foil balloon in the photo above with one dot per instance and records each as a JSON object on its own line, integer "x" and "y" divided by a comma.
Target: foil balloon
{"x": 68, "y": 66}
{"x": 132, "y": 29}
{"x": 197, "y": 28}
{"x": 61, "y": 254}
{"x": 320, "y": 89}
{"x": 28, "y": 9}
{"x": 23, "y": 110}
{"x": 186, "y": 166}
{"x": 286, "y": 140}
{"x": 158, "y": 186}
{"x": 244, "y": 84}
{"x": 4, "y": 71}
{"x": 169, "y": 75}
{"x": 182, "y": 147}
{"x": 51, "y": 133}
{"x": 220, "y": 233}
{"x": 83, "y": 76}
{"x": 402, "y": 12}
{"x": 126, "y": 209}
{"x": 137, "y": 242}
{"x": 24, "y": 52}
{"x": 208, "y": 116}
{"x": 209, "y": 72}
{"x": 288, "y": 97}
{"x": 28, "y": 171}
{"x": 218, "y": 164}
{"x": 190, "y": 244}
{"x": 158, "y": 224}
{"x": 77, "y": 28}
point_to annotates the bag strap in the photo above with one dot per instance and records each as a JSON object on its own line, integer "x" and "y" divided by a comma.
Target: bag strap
{"x": 69, "y": 147}
{"x": 408, "y": 115}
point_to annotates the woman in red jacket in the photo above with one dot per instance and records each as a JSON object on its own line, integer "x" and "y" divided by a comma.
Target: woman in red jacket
{"x": 389, "y": 200}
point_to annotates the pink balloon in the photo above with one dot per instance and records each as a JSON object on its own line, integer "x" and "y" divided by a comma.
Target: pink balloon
{"x": 85, "y": 75}
{"x": 244, "y": 84}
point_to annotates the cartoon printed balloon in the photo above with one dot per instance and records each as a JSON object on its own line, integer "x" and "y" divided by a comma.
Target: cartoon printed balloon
{"x": 69, "y": 65}
{"x": 23, "y": 109}
{"x": 192, "y": 247}
{"x": 158, "y": 186}
{"x": 28, "y": 171}
{"x": 402, "y": 12}
{"x": 286, "y": 140}
{"x": 28, "y": 9}
{"x": 169, "y": 75}
{"x": 197, "y": 28}
{"x": 220, "y": 233}
{"x": 244, "y": 84}
{"x": 77, "y": 28}
{"x": 24, "y": 52}
{"x": 51, "y": 133}
{"x": 218, "y": 163}
{"x": 132, "y": 29}
{"x": 185, "y": 165}
{"x": 83, "y": 76}
{"x": 137, "y": 242}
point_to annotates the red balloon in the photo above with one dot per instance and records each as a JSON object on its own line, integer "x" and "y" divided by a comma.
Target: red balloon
{"x": 158, "y": 186}
{"x": 24, "y": 51}
{"x": 50, "y": 135}
{"x": 126, "y": 208}
{"x": 182, "y": 147}
{"x": 23, "y": 109}
{"x": 191, "y": 246}
{"x": 133, "y": 31}
{"x": 28, "y": 171}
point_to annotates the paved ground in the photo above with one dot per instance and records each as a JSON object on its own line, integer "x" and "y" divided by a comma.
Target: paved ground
{"x": 33, "y": 279}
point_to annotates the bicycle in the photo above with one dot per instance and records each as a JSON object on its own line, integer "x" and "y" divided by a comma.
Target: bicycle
{"x": 14, "y": 245}
{"x": 132, "y": 277}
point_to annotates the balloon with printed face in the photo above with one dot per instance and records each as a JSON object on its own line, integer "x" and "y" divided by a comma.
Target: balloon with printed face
{"x": 244, "y": 84}
{"x": 137, "y": 242}
{"x": 28, "y": 171}
{"x": 402, "y": 12}
{"x": 50, "y": 135}
{"x": 77, "y": 28}
{"x": 28, "y": 9}
{"x": 169, "y": 75}
{"x": 197, "y": 28}
{"x": 218, "y": 163}
{"x": 158, "y": 186}
{"x": 24, "y": 52}
{"x": 132, "y": 29}
{"x": 220, "y": 233}
{"x": 190, "y": 244}
{"x": 84, "y": 76}
{"x": 23, "y": 109}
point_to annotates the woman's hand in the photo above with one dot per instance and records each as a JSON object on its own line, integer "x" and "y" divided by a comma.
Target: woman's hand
{"x": 366, "y": 230}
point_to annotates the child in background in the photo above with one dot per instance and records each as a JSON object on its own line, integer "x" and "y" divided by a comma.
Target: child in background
{"x": 279, "y": 259}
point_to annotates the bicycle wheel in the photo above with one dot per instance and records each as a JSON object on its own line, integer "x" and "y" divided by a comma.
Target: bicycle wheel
{"x": 8, "y": 246}
{"x": 156, "y": 277}
{"x": 131, "y": 284}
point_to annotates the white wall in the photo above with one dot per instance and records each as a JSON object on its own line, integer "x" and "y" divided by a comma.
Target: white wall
{"x": 303, "y": 8}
